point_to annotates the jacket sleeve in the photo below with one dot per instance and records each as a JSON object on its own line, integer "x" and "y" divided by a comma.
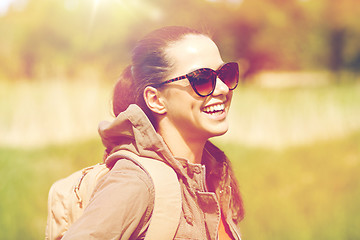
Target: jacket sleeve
{"x": 120, "y": 207}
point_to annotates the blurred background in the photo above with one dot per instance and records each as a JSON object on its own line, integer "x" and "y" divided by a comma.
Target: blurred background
{"x": 295, "y": 123}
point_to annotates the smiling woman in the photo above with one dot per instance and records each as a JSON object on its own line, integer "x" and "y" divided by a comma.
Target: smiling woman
{"x": 204, "y": 90}
{"x": 169, "y": 101}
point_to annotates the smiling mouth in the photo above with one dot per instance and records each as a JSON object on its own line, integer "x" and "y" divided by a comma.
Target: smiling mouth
{"x": 214, "y": 109}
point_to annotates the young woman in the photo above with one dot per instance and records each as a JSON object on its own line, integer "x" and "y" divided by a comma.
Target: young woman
{"x": 169, "y": 101}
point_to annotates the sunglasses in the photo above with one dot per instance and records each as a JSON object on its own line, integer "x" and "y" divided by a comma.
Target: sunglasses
{"x": 203, "y": 80}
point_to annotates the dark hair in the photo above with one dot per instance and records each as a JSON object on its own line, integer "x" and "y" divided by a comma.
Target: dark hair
{"x": 149, "y": 66}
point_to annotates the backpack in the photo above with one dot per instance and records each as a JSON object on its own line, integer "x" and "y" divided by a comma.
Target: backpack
{"x": 68, "y": 197}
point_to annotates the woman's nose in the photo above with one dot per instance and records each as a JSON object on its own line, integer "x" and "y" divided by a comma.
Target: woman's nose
{"x": 220, "y": 88}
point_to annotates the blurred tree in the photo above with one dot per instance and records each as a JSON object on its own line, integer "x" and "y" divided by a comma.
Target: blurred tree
{"x": 67, "y": 37}
{"x": 337, "y": 21}
{"x": 267, "y": 33}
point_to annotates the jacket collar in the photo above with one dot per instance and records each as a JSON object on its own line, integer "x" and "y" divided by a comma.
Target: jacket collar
{"x": 132, "y": 130}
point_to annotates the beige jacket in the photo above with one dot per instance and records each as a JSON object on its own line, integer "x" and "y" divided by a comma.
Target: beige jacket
{"x": 122, "y": 202}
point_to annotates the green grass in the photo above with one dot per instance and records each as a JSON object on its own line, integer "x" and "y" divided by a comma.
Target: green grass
{"x": 26, "y": 178}
{"x": 304, "y": 192}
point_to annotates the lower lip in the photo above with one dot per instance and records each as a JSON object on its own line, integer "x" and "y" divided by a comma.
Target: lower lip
{"x": 217, "y": 116}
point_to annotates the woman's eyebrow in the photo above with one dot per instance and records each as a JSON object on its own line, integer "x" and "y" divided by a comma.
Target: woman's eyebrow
{"x": 197, "y": 68}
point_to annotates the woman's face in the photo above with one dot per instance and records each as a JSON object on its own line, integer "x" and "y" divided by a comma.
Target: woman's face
{"x": 195, "y": 117}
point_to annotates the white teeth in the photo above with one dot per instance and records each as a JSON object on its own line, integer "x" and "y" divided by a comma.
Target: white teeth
{"x": 214, "y": 108}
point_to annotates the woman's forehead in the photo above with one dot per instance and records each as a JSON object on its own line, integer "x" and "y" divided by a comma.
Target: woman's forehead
{"x": 193, "y": 52}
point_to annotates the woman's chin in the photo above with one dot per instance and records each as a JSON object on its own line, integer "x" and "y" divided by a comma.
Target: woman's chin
{"x": 218, "y": 130}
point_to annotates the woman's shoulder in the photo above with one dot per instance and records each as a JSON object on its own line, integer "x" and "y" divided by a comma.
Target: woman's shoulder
{"x": 129, "y": 172}
{"x": 125, "y": 180}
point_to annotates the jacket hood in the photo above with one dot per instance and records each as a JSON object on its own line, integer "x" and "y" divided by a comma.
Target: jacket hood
{"x": 132, "y": 130}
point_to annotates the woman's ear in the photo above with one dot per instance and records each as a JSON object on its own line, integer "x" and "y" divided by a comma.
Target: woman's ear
{"x": 153, "y": 100}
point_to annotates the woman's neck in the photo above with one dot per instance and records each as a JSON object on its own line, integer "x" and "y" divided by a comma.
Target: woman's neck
{"x": 183, "y": 147}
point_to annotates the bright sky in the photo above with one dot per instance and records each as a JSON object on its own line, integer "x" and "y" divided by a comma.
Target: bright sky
{"x": 17, "y": 4}
{"x": 4, "y": 5}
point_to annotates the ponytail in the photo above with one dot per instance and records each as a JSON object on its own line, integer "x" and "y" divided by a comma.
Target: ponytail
{"x": 124, "y": 92}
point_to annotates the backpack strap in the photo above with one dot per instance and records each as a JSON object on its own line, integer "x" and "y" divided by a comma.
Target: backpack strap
{"x": 167, "y": 205}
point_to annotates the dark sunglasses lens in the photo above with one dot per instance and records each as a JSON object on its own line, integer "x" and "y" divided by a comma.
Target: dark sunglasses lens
{"x": 229, "y": 74}
{"x": 203, "y": 81}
